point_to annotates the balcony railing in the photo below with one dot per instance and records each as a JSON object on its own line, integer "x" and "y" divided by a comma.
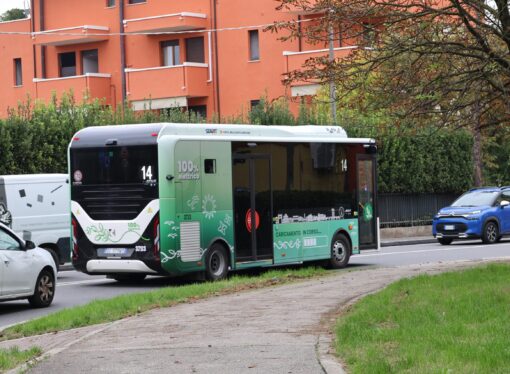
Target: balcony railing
{"x": 294, "y": 61}
{"x": 164, "y": 86}
{"x": 92, "y": 86}
{"x": 72, "y": 35}
{"x": 184, "y": 21}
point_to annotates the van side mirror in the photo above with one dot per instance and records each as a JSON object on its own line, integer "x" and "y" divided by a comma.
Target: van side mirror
{"x": 504, "y": 203}
{"x": 29, "y": 244}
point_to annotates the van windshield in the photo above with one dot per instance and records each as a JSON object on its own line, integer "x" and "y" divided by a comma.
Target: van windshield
{"x": 114, "y": 165}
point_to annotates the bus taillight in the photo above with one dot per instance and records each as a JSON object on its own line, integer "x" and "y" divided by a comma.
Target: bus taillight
{"x": 156, "y": 237}
{"x": 75, "y": 239}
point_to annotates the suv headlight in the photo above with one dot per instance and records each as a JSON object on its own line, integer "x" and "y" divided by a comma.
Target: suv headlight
{"x": 472, "y": 215}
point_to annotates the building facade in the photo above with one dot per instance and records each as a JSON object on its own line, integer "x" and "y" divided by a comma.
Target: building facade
{"x": 209, "y": 56}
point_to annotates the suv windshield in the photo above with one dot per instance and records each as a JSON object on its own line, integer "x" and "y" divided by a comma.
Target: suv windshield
{"x": 476, "y": 198}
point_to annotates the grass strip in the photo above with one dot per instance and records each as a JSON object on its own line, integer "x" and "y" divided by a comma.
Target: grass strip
{"x": 456, "y": 322}
{"x": 12, "y": 357}
{"x": 100, "y": 311}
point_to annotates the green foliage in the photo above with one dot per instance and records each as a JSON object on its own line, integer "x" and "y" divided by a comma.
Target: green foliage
{"x": 420, "y": 160}
{"x": 35, "y": 136}
{"x": 271, "y": 113}
{"x": 455, "y": 322}
{"x": 13, "y": 14}
{"x": 34, "y": 139}
{"x": 12, "y": 357}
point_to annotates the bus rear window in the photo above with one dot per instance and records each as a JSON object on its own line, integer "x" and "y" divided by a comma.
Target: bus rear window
{"x": 114, "y": 165}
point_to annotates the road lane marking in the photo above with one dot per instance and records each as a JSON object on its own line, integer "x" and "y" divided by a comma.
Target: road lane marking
{"x": 423, "y": 251}
{"x": 63, "y": 284}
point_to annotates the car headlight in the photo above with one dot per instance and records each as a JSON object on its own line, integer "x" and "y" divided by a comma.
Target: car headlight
{"x": 472, "y": 214}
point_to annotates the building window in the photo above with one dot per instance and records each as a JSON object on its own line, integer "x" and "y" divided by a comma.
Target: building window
{"x": 136, "y": 1}
{"x": 198, "y": 111}
{"x": 254, "y": 45}
{"x": 110, "y": 3}
{"x": 369, "y": 34}
{"x": 171, "y": 53}
{"x": 90, "y": 61}
{"x": 254, "y": 104}
{"x": 195, "y": 50}
{"x": 67, "y": 64}
{"x": 18, "y": 73}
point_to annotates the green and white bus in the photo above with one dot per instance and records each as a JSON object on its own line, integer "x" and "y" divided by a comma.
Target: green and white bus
{"x": 178, "y": 198}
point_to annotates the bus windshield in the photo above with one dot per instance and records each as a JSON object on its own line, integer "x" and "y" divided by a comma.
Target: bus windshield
{"x": 114, "y": 165}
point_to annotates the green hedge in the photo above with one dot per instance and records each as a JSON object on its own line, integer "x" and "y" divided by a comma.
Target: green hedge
{"x": 427, "y": 160}
{"x": 34, "y": 139}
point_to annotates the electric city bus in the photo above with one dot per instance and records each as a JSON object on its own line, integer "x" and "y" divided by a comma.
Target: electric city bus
{"x": 177, "y": 198}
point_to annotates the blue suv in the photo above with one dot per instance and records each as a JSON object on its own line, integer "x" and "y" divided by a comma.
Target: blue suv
{"x": 482, "y": 213}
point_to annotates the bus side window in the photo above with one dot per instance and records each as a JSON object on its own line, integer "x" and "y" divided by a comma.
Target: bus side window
{"x": 210, "y": 166}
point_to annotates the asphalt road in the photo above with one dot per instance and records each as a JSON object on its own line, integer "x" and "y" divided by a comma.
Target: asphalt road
{"x": 75, "y": 288}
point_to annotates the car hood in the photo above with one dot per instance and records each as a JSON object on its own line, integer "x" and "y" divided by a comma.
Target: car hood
{"x": 460, "y": 210}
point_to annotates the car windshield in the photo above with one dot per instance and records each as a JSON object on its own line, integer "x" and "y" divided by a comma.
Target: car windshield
{"x": 476, "y": 198}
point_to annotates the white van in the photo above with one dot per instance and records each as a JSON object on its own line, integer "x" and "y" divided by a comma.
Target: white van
{"x": 36, "y": 207}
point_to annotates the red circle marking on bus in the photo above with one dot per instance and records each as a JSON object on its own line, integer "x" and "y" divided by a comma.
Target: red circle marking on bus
{"x": 248, "y": 220}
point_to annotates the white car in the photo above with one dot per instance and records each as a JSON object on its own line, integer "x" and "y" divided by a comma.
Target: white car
{"x": 26, "y": 271}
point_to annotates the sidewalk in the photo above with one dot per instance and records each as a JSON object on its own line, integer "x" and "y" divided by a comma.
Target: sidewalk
{"x": 285, "y": 329}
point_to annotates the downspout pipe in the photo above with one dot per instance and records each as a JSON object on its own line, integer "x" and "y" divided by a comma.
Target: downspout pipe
{"x": 32, "y": 29}
{"x": 43, "y": 48}
{"x": 122, "y": 53}
{"x": 216, "y": 64}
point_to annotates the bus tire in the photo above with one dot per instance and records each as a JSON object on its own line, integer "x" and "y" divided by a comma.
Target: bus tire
{"x": 340, "y": 252}
{"x": 129, "y": 278}
{"x": 216, "y": 263}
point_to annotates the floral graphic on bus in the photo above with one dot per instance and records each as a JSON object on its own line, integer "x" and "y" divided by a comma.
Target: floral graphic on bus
{"x": 291, "y": 244}
{"x": 102, "y": 234}
{"x": 209, "y": 206}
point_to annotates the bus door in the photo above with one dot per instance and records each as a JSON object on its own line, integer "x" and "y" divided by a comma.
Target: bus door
{"x": 366, "y": 201}
{"x": 251, "y": 179}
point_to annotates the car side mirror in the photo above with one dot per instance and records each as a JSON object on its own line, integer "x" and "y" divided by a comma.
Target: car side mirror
{"x": 29, "y": 244}
{"x": 504, "y": 203}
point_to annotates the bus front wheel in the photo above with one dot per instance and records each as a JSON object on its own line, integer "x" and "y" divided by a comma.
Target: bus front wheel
{"x": 340, "y": 252}
{"x": 216, "y": 263}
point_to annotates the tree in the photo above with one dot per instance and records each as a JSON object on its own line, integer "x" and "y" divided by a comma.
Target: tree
{"x": 13, "y": 14}
{"x": 436, "y": 61}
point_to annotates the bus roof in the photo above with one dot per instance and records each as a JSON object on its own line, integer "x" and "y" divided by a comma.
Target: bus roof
{"x": 150, "y": 133}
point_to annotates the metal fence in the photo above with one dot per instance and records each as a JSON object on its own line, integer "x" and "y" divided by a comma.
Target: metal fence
{"x": 402, "y": 210}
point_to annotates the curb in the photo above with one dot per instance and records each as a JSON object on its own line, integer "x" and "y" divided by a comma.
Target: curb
{"x": 407, "y": 242}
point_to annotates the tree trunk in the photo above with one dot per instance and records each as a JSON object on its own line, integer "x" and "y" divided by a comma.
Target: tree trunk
{"x": 477, "y": 148}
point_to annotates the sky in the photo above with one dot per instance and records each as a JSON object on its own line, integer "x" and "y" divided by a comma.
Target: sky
{"x": 9, "y": 4}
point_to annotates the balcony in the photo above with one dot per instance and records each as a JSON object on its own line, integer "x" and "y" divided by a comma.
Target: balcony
{"x": 295, "y": 61}
{"x": 167, "y": 86}
{"x": 72, "y": 35}
{"x": 92, "y": 85}
{"x": 184, "y": 21}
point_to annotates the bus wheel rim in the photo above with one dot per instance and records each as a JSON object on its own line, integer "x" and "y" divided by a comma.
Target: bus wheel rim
{"x": 338, "y": 251}
{"x": 216, "y": 264}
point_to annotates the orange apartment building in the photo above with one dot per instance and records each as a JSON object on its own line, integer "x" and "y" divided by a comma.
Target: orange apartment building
{"x": 153, "y": 54}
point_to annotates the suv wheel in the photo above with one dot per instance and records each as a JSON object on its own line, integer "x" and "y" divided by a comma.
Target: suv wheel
{"x": 445, "y": 241}
{"x": 490, "y": 233}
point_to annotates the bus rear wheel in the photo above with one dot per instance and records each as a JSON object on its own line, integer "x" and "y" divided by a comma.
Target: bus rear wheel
{"x": 216, "y": 263}
{"x": 340, "y": 252}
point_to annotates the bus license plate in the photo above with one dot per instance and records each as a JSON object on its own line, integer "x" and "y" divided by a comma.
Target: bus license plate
{"x": 112, "y": 252}
{"x": 449, "y": 227}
